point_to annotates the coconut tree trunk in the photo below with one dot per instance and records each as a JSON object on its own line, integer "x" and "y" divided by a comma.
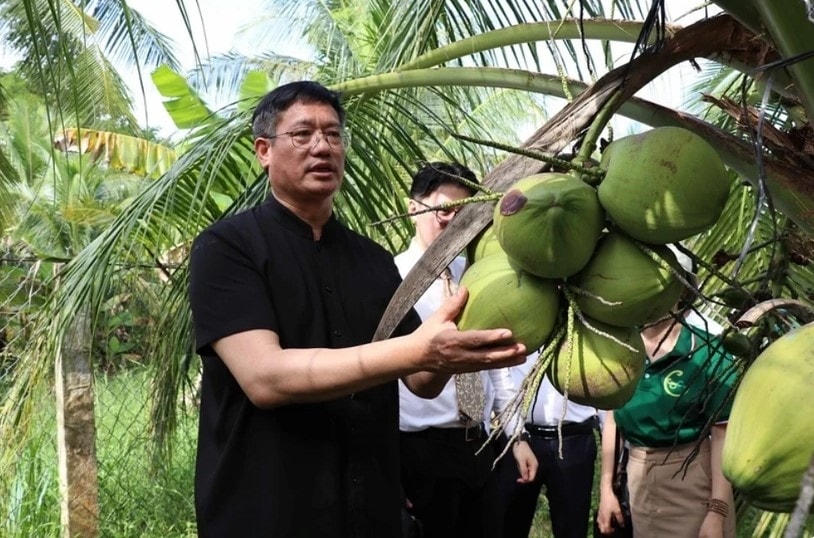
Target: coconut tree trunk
{"x": 76, "y": 433}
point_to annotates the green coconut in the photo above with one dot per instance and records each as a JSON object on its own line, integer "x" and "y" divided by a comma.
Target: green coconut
{"x": 549, "y": 224}
{"x": 504, "y": 296}
{"x": 603, "y": 373}
{"x": 626, "y": 287}
{"x": 769, "y": 439}
{"x": 664, "y": 185}
{"x": 485, "y": 244}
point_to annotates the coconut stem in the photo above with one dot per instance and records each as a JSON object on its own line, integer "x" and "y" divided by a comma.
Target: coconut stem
{"x": 572, "y": 304}
{"x": 579, "y": 291}
{"x": 518, "y": 407}
{"x": 490, "y": 197}
{"x": 588, "y": 144}
{"x": 594, "y": 174}
{"x": 572, "y": 309}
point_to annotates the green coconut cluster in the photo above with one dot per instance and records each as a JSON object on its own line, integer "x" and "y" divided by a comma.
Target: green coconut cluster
{"x": 605, "y": 248}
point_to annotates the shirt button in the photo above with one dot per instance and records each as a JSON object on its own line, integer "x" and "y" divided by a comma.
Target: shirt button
{"x": 329, "y": 289}
{"x": 337, "y": 332}
{"x": 647, "y": 376}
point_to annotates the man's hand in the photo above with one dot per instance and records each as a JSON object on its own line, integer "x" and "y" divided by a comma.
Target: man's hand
{"x": 448, "y": 350}
{"x": 526, "y": 462}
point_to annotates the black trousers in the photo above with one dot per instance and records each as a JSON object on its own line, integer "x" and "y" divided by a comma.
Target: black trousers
{"x": 452, "y": 489}
{"x": 568, "y": 483}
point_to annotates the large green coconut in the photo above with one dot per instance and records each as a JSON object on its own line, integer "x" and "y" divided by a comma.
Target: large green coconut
{"x": 549, "y": 224}
{"x": 635, "y": 288}
{"x": 603, "y": 373}
{"x": 503, "y": 296}
{"x": 485, "y": 244}
{"x": 769, "y": 438}
{"x": 664, "y": 185}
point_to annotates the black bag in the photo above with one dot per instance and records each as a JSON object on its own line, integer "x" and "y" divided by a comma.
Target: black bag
{"x": 619, "y": 486}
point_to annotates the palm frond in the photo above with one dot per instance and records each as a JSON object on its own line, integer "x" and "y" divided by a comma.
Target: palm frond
{"x": 127, "y": 38}
{"x": 95, "y": 94}
{"x": 118, "y": 151}
{"x": 183, "y": 104}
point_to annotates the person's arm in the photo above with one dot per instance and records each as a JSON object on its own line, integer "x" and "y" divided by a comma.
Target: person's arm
{"x": 713, "y": 525}
{"x": 272, "y": 376}
{"x": 608, "y": 503}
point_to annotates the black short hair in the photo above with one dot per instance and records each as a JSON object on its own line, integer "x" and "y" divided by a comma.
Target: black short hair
{"x": 267, "y": 113}
{"x": 434, "y": 174}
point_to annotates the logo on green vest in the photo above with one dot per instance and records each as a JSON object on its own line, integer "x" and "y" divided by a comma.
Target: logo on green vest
{"x": 673, "y": 384}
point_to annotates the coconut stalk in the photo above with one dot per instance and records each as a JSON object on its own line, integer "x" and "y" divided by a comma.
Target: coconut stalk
{"x": 592, "y": 175}
{"x": 793, "y": 34}
{"x": 606, "y": 30}
{"x": 745, "y": 12}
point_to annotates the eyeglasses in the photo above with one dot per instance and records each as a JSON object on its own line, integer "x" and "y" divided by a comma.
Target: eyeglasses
{"x": 441, "y": 215}
{"x": 308, "y": 138}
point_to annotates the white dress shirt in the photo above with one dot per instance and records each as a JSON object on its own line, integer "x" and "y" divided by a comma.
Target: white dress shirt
{"x": 442, "y": 411}
{"x": 702, "y": 321}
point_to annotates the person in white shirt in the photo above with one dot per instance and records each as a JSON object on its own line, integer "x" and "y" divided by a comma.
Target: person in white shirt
{"x": 446, "y": 469}
{"x": 568, "y": 480}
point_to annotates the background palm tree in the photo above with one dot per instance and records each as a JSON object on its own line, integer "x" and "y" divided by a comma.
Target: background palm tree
{"x": 416, "y": 77}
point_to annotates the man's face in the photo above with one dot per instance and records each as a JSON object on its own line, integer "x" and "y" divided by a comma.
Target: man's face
{"x": 430, "y": 225}
{"x": 309, "y": 174}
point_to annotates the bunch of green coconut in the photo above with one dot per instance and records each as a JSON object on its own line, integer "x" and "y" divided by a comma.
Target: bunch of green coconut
{"x": 576, "y": 271}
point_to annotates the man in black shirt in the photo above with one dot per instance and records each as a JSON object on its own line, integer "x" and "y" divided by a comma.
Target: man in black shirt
{"x": 299, "y": 411}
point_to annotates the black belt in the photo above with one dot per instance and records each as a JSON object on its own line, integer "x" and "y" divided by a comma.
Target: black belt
{"x": 568, "y": 429}
{"x": 475, "y": 433}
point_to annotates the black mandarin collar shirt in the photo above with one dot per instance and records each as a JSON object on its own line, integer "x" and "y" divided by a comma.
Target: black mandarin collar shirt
{"x": 327, "y": 469}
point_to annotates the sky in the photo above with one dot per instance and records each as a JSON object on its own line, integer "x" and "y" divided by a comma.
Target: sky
{"x": 224, "y": 20}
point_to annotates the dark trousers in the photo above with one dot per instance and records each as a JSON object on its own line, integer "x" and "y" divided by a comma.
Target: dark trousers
{"x": 453, "y": 491}
{"x": 568, "y": 483}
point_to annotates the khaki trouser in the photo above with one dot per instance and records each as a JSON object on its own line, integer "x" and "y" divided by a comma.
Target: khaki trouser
{"x": 664, "y": 501}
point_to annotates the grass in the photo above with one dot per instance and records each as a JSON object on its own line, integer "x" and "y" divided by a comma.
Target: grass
{"x": 157, "y": 496}
{"x": 143, "y": 498}
{"x": 138, "y": 497}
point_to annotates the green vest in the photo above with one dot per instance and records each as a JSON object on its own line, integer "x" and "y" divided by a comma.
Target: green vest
{"x": 679, "y": 393}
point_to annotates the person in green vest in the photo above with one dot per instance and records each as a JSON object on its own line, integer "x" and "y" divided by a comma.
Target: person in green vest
{"x": 675, "y": 481}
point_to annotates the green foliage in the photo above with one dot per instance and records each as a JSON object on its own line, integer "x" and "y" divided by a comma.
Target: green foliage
{"x": 137, "y": 498}
{"x": 30, "y": 491}
{"x": 140, "y": 495}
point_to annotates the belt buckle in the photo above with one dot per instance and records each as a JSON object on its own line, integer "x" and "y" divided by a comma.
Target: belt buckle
{"x": 476, "y": 432}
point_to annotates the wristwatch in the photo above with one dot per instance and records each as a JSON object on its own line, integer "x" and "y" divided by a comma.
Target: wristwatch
{"x": 524, "y": 436}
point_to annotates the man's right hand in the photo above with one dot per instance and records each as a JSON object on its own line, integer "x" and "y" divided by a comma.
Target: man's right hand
{"x": 448, "y": 350}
